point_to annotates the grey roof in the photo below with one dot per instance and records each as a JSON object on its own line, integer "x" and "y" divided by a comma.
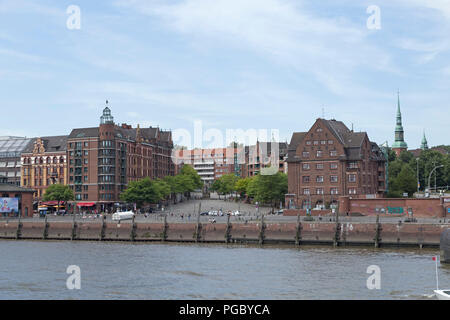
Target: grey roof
{"x": 84, "y": 133}
{"x": 51, "y": 144}
{"x": 267, "y": 147}
{"x": 6, "y": 187}
{"x": 352, "y": 141}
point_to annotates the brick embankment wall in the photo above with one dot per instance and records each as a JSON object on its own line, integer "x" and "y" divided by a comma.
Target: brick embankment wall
{"x": 305, "y": 232}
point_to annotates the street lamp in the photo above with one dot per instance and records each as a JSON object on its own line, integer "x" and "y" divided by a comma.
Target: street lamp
{"x": 429, "y": 178}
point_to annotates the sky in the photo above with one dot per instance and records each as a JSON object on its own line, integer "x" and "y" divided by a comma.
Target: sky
{"x": 229, "y": 64}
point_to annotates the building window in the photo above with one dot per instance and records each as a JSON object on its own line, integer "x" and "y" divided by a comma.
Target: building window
{"x": 333, "y": 165}
{"x": 305, "y": 166}
{"x": 333, "y": 153}
{"x": 306, "y": 191}
{"x": 352, "y": 165}
{"x": 334, "y": 190}
{"x": 305, "y": 179}
{"x": 323, "y": 142}
{"x": 308, "y": 143}
{"x": 352, "y": 191}
{"x": 330, "y": 141}
{"x": 78, "y": 197}
{"x": 305, "y": 154}
{"x": 333, "y": 178}
{"x": 319, "y": 191}
{"x": 319, "y": 129}
{"x": 319, "y": 166}
{"x": 319, "y": 178}
{"x": 319, "y": 153}
{"x": 352, "y": 178}
{"x": 316, "y": 142}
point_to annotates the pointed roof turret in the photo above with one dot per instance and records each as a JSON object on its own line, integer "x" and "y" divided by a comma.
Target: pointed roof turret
{"x": 106, "y": 117}
{"x": 424, "y": 145}
{"x": 399, "y": 138}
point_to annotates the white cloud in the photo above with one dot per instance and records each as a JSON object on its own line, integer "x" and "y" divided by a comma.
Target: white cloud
{"x": 329, "y": 49}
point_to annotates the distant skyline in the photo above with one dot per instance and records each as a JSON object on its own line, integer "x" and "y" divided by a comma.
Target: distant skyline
{"x": 232, "y": 64}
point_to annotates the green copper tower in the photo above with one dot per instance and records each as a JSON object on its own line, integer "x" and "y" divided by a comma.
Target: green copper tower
{"x": 399, "y": 145}
{"x": 424, "y": 145}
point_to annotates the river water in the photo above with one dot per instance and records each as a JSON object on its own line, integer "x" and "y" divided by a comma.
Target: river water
{"x": 116, "y": 270}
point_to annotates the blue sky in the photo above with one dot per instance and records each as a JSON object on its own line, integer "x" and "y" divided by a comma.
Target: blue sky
{"x": 262, "y": 64}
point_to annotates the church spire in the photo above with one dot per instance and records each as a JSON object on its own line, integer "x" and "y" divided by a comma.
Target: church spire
{"x": 399, "y": 145}
{"x": 424, "y": 145}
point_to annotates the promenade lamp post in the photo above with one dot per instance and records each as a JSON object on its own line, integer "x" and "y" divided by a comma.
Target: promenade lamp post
{"x": 429, "y": 177}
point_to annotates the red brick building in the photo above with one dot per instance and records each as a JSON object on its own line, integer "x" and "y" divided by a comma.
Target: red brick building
{"x": 261, "y": 155}
{"x": 211, "y": 164}
{"x": 329, "y": 161}
{"x": 24, "y": 196}
{"x": 103, "y": 160}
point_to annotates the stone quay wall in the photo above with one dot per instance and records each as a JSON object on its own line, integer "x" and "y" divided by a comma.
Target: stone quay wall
{"x": 295, "y": 233}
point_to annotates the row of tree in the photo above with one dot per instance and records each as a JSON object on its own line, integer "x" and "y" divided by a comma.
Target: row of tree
{"x": 147, "y": 191}
{"x": 144, "y": 191}
{"x": 268, "y": 189}
{"x": 404, "y": 169}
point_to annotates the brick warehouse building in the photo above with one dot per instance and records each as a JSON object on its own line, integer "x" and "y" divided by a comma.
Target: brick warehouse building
{"x": 330, "y": 161}
{"x": 103, "y": 160}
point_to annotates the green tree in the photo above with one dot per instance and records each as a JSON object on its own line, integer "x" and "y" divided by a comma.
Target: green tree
{"x": 215, "y": 186}
{"x": 242, "y": 185}
{"x": 406, "y": 156}
{"x": 190, "y": 179}
{"x": 268, "y": 188}
{"x": 227, "y": 183}
{"x": 58, "y": 192}
{"x": 145, "y": 191}
{"x": 405, "y": 182}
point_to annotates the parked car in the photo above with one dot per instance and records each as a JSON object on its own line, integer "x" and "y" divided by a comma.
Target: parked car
{"x": 280, "y": 211}
{"x": 236, "y": 213}
{"x": 204, "y": 213}
{"x": 213, "y": 213}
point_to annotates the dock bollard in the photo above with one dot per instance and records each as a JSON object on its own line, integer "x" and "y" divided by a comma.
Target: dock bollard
{"x": 228, "y": 231}
{"x": 445, "y": 246}
{"x": 262, "y": 231}
{"x": 45, "y": 233}
{"x": 19, "y": 229}
{"x": 102, "y": 229}
{"x": 378, "y": 232}
{"x": 298, "y": 233}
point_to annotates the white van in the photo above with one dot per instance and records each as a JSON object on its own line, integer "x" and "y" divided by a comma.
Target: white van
{"x": 122, "y": 215}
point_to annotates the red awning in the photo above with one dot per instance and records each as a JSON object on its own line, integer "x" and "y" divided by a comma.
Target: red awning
{"x": 86, "y": 204}
{"x": 50, "y": 203}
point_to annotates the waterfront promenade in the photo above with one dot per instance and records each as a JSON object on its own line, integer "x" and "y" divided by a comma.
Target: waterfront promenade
{"x": 183, "y": 224}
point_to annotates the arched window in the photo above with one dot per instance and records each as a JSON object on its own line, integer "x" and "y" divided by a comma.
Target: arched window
{"x": 55, "y": 160}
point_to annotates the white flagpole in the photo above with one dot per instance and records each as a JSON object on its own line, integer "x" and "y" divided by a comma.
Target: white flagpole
{"x": 437, "y": 279}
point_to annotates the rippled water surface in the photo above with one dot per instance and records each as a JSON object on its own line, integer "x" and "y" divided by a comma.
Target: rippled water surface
{"x": 37, "y": 270}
